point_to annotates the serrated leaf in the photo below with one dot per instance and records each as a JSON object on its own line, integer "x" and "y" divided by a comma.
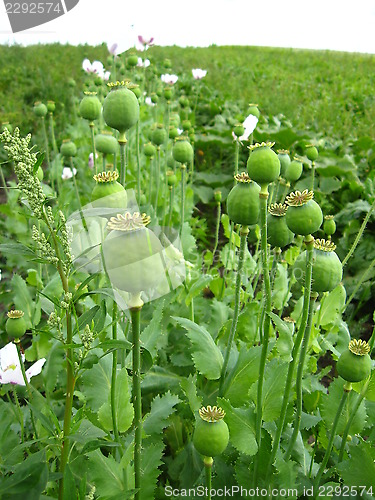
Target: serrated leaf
{"x": 150, "y": 336}
{"x": 329, "y": 405}
{"x": 123, "y": 407}
{"x": 308, "y": 421}
{"x": 151, "y": 461}
{"x": 286, "y": 476}
{"x": 247, "y": 326}
{"x": 107, "y": 475}
{"x": 207, "y": 357}
{"x": 96, "y": 383}
{"x": 333, "y": 305}
{"x": 244, "y": 374}
{"x": 273, "y": 389}
{"x": 241, "y": 427}
{"x": 359, "y": 469}
{"x": 161, "y": 409}
{"x": 370, "y": 387}
{"x": 29, "y": 478}
{"x": 188, "y": 385}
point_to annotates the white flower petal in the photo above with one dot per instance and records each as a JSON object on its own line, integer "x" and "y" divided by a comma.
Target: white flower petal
{"x": 9, "y": 356}
{"x": 86, "y": 65}
{"x": 35, "y": 369}
{"x": 250, "y": 123}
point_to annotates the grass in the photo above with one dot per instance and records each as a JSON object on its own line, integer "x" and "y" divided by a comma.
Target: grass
{"x": 330, "y": 92}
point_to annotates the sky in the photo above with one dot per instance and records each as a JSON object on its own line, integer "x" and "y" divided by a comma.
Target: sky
{"x": 345, "y": 25}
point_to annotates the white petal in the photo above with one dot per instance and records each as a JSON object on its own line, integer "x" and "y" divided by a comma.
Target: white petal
{"x": 12, "y": 376}
{"x": 86, "y": 65}
{"x": 97, "y": 67}
{"x": 9, "y": 356}
{"x": 112, "y": 48}
{"x": 35, "y": 369}
{"x": 250, "y": 123}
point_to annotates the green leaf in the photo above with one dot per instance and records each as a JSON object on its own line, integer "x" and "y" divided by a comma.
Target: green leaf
{"x": 286, "y": 477}
{"x": 359, "y": 469}
{"x": 115, "y": 344}
{"x": 107, "y": 475}
{"x": 241, "y": 427}
{"x": 96, "y": 383}
{"x": 247, "y": 326}
{"x": 151, "y": 461}
{"x": 226, "y": 225}
{"x": 160, "y": 379}
{"x": 273, "y": 389}
{"x": 188, "y": 385}
{"x": 9, "y": 439}
{"x": 330, "y": 402}
{"x": 151, "y": 335}
{"x": 123, "y": 408}
{"x": 333, "y": 305}
{"x": 162, "y": 408}
{"x": 197, "y": 287}
{"x": 22, "y": 299}
{"x": 370, "y": 387}
{"x": 280, "y": 287}
{"x": 29, "y": 478}
{"x": 243, "y": 375}
{"x": 70, "y": 491}
{"x": 87, "y": 317}
{"x": 207, "y": 357}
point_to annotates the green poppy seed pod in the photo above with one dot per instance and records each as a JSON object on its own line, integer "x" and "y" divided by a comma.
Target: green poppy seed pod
{"x": 149, "y": 150}
{"x": 136, "y": 90}
{"x": 283, "y": 155}
{"x": 15, "y": 325}
{"x": 90, "y": 106}
{"x": 120, "y": 108}
{"x": 167, "y": 63}
{"x": 304, "y": 215}
{"x": 183, "y": 151}
{"x": 311, "y": 152}
{"x": 109, "y": 60}
{"x": 132, "y": 61}
{"x": 173, "y": 132}
{"x": 68, "y": 148}
{"x": 329, "y": 225}
{"x": 108, "y": 193}
{"x": 253, "y": 110}
{"x": 183, "y": 101}
{"x": 159, "y": 135}
{"x": 278, "y": 233}
{"x": 133, "y": 254}
{"x": 51, "y": 106}
{"x": 171, "y": 178}
{"x": 40, "y": 109}
{"x": 186, "y": 125}
{"x": 294, "y": 170}
{"x": 243, "y": 201}
{"x": 154, "y": 98}
{"x": 263, "y": 164}
{"x": 239, "y": 130}
{"x": 354, "y": 364}
{"x": 326, "y": 267}
{"x": 217, "y": 196}
{"x": 211, "y": 434}
{"x": 175, "y": 119}
{"x": 105, "y": 143}
{"x": 168, "y": 92}
{"x": 71, "y": 83}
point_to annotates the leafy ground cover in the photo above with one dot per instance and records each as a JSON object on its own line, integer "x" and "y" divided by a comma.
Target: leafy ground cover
{"x": 186, "y": 279}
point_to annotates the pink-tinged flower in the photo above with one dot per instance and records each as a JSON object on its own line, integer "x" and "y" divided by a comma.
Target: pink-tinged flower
{"x": 143, "y": 64}
{"x": 96, "y": 67}
{"x": 145, "y": 42}
{"x": 117, "y": 48}
{"x": 169, "y": 79}
{"x": 105, "y": 76}
{"x": 149, "y": 102}
{"x": 112, "y": 49}
{"x": 198, "y": 74}
{"x": 67, "y": 173}
{"x": 10, "y": 367}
